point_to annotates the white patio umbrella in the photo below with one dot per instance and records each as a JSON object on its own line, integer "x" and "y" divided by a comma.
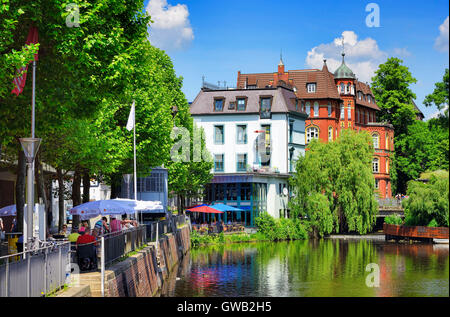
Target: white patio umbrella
{"x": 143, "y": 205}
{"x": 10, "y": 210}
{"x": 101, "y": 207}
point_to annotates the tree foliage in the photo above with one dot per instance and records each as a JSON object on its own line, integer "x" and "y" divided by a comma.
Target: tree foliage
{"x": 334, "y": 185}
{"x": 428, "y": 202}
{"x": 440, "y": 96}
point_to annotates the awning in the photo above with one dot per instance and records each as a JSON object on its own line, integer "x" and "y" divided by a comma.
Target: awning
{"x": 204, "y": 209}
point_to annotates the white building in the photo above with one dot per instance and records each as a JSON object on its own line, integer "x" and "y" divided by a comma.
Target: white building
{"x": 255, "y": 137}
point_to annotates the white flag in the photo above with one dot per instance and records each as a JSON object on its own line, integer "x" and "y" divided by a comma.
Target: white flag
{"x": 130, "y": 123}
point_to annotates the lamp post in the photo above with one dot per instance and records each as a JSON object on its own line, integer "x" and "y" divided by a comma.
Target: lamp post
{"x": 30, "y": 147}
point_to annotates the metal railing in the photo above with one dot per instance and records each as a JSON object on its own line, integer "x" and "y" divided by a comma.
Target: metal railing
{"x": 35, "y": 273}
{"x": 118, "y": 244}
{"x": 389, "y": 203}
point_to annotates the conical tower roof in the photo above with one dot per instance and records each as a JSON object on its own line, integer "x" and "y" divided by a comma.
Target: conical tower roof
{"x": 343, "y": 71}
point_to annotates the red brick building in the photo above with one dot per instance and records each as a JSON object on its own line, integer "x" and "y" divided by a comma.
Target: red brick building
{"x": 334, "y": 101}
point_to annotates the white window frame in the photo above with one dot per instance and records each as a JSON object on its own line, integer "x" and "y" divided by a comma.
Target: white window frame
{"x": 312, "y": 133}
{"x": 311, "y": 87}
{"x": 376, "y": 140}
{"x": 375, "y": 165}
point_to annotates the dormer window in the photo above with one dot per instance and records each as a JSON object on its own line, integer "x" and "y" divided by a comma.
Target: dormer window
{"x": 266, "y": 105}
{"x": 311, "y": 88}
{"x": 241, "y": 104}
{"x": 218, "y": 104}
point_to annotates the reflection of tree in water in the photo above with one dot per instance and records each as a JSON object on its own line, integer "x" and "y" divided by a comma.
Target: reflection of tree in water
{"x": 313, "y": 268}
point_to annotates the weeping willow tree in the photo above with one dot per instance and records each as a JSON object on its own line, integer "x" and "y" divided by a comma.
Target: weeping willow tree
{"x": 334, "y": 185}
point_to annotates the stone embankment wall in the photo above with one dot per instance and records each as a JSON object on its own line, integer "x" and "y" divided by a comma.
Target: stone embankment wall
{"x": 141, "y": 274}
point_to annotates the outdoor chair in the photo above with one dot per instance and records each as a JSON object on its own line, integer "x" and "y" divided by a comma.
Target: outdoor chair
{"x": 87, "y": 257}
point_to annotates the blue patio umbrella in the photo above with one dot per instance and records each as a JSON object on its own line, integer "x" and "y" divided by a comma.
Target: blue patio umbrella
{"x": 223, "y": 207}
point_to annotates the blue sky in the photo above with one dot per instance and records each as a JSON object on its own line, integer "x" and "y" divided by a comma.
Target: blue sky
{"x": 215, "y": 39}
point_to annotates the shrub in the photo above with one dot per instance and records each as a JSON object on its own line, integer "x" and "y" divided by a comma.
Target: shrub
{"x": 280, "y": 229}
{"x": 393, "y": 220}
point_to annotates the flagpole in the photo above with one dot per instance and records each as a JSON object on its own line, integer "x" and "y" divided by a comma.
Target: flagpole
{"x": 134, "y": 150}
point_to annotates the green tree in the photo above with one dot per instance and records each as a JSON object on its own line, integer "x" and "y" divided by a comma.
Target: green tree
{"x": 428, "y": 202}
{"x": 439, "y": 97}
{"x": 391, "y": 88}
{"x": 423, "y": 148}
{"x": 334, "y": 185}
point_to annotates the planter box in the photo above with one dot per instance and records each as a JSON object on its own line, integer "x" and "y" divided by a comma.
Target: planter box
{"x": 416, "y": 231}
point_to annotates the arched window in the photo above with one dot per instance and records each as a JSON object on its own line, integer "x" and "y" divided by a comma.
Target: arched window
{"x": 349, "y": 111}
{"x": 311, "y": 133}
{"x": 375, "y": 138}
{"x": 387, "y": 166}
{"x": 308, "y": 109}
{"x": 375, "y": 165}
{"x": 329, "y": 110}
{"x": 330, "y": 133}
{"x": 387, "y": 142}
{"x": 316, "y": 109}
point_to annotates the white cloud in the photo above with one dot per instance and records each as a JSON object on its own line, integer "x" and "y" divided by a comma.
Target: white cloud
{"x": 441, "y": 43}
{"x": 401, "y": 52}
{"x": 362, "y": 56}
{"x": 437, "y": 113}
{"x": 171, "y": 28}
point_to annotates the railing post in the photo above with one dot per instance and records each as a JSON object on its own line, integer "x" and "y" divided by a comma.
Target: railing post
{"x": 29, "y": 275}
{"x": 102, "y": 263}
{"x": 45, "y": 270}
{"x": 59, "y": 267}
{"x": 7, "y": 277}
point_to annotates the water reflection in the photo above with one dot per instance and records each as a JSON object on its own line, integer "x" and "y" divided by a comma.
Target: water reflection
{"x": 312, "y": 268}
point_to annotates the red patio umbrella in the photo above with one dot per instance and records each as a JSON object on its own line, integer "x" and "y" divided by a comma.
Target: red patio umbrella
{"x": 204, "y": 209}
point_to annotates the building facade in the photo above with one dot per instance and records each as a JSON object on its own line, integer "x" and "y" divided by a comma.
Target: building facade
{"x": 254, "y": 136}
{"x": 333, "y": 102}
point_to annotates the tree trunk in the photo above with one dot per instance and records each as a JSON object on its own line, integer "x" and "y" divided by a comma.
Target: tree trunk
{"x": 20, "y": 189}
{"x": 76, "y": 196}
{"x": 62, "y": 212}
{"x": 86, "y": 186}
{"x": 40, "y": 182}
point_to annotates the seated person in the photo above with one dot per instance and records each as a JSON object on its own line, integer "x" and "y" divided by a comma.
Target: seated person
{"x": 116, "y": 225}
{"x": 74, "y": 235}
{"x": 101, "y": 226}
{"x": 85, "y": 236}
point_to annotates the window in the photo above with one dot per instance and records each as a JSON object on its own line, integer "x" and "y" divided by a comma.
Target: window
{"x": 308, "y": 109}
{"x": 311, "y": 88}
{"x": 342, "y": 111}
{"x": 303, "y": 106}
{"x": 291, "y": 131}
{"x": 241, "y": 162}
{"x": 349, "y": 111}
{"x": 387, "y": 142}
{"x": 316, "y": 109}
{"x": 329, "y": 110}
{"x": 367, "y": 117}
{"x": 241, "y": 104}
{"x": 342, "y": 88}
{"x": 377, "y": 183}
{"x": 218, "y": 163}
{"x": 152, "y": 183}
{"x": 375, "y": 165}
{"x": 330, "y": 133}
{"x": 218, "y": 104}
{"x": 348, "y": 88}
{"x": 311, "y": 133}
{"x": 387, "y": 166}
{"x": 369, "y": 98}
{"x": 265, "y": 108}
{"x": 231, "y": 105}
{"x": 357, "y": 115}
{"x": 218, "y": 134}
{"x": 265, "y": 155}
{"x": 241, "y": 134}
{"x": 375, "y": 139}
{"x": 359, "y": 95}
{"x": 296, "y": 104}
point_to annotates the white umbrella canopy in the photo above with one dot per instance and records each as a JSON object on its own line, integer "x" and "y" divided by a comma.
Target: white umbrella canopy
{"x": 143, "y": 205}
{"x": 114, "y": 207}
{"x": 10, "y": 210}
{"x": 101, "y": 207}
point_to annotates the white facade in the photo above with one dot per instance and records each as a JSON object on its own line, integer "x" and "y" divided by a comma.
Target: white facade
{"x": 286, "y": 140}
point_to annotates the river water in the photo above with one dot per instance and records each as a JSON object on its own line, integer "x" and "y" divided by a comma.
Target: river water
{"x": 312, "y": 268}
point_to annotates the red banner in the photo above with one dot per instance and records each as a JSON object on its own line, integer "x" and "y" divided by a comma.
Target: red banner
{"x": 19, "y": 81}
